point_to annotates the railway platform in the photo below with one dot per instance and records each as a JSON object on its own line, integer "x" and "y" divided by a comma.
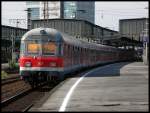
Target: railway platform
{"x": 115, "y": 87}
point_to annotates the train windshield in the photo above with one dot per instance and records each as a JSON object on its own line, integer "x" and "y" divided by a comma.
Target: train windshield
{"x": 43, "y": 48}
{"x": 33, "y": 47}
{"x": 49, "y": 48}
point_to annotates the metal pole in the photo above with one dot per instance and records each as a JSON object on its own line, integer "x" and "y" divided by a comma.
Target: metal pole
{"x": 47, "y": 12}
{"x": 14, "y": 36}
{"x": 61, "y": 9}
{"x": 146, "y": 32}
{"x": 146, "y": 51}
{"x": 146, "y": 36}
{"x": 29, "y": 22}
{"x": 44, "y": 12}
{"x": 44, "y": 9}
{"x": 12, "y": 50}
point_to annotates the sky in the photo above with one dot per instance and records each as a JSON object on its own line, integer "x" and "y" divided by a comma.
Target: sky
{"x": 107, "y": 14}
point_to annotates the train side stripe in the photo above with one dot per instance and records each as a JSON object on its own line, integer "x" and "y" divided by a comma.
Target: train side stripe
{"x": 41, "y": 69}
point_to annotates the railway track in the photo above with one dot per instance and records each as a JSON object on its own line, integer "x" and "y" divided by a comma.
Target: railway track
{"x": 12, "y": 86}
{"x": 14, "y": 97}
{"x": 9, "y": 80}
{"x": 27, "y": 108}
{"x": 24, "y": 100}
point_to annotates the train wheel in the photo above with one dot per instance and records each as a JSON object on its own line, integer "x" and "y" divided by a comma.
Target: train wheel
{"x": 54, "y": 80}
{"x": 49, "y": 80}
{"x": 34, "y": 81}
{"x": 32, "y": 84}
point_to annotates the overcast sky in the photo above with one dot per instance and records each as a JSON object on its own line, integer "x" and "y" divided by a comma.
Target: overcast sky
{"x": 107, "y": 14}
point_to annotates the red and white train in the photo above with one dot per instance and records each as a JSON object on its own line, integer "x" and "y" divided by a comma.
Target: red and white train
{"x": 47, "y": 53}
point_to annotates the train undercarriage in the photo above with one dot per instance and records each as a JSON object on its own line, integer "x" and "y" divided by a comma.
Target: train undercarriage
{"x": 37, "y": 78}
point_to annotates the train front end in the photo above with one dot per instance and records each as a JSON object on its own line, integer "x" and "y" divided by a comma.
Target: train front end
{"x": 41, "y": 56}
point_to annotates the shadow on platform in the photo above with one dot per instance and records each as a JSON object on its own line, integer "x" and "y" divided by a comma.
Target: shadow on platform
{"x": 106, "y": 70}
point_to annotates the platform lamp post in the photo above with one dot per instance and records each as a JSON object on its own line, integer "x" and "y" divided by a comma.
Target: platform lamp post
{"x": 12, "y": 50}
{"x": 146, "y": 36}
{"x": 29, "y": 21}
{"x": 13, "y": 38}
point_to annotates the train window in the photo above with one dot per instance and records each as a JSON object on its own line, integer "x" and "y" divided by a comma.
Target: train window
{"x": 33, "y": 47}
{"x": 49, "y": 48}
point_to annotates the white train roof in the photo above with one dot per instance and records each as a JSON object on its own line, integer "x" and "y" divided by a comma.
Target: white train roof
{"x": 56, "y": 35}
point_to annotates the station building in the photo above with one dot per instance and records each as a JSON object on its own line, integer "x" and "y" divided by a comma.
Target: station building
{"x": 10, "y": 36}
{"x": 133, "y": 28}
{"x": 137, "y": 29}
{"x": 77, "y": 28}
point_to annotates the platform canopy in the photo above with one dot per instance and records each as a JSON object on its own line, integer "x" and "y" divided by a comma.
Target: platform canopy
{"x": 122, "y": 41}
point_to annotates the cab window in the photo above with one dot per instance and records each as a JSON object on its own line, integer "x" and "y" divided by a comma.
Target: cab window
{"x": 33, "y": 47}
{"x": 49, "y": 48}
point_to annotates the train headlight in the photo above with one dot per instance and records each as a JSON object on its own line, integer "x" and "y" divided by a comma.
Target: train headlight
{"x": 28, "y": 64}
{"x": 53, "y": 64}
{"x": 40, "y": 63}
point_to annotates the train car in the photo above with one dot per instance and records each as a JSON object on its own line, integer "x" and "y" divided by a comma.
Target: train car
{"x": 47, "y": 54}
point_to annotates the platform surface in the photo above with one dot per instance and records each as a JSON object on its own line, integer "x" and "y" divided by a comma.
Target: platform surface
{"x": 115, "y": 87}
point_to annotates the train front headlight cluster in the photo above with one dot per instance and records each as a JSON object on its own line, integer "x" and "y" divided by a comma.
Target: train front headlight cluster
{"x": 53, "y": 64}
{"x": 28, "y": 64}
{"x": 40, "y": 63}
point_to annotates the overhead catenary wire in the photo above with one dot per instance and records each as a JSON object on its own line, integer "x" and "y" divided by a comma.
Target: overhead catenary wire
{"x": 139, "y": 16}
{"x": 103, "y": 10}
{"x": 121, "y": 14}
{"x": 130, "y": 12}
{"x": 14, "y": 10}
{"x": 131, "y": 9}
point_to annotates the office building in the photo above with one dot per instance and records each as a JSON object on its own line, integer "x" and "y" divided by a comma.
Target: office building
{"x": 64, "y": 9}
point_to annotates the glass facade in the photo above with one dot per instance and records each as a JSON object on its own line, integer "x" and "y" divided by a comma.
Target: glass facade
{"x": 32, "y": 3}
{"x": 54, "y": 9}
{"x": 35, "y": 13}
{"x": 79, "y": 10}
{"x": 70, "y": 10}
{"x": 65, "y": 9}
